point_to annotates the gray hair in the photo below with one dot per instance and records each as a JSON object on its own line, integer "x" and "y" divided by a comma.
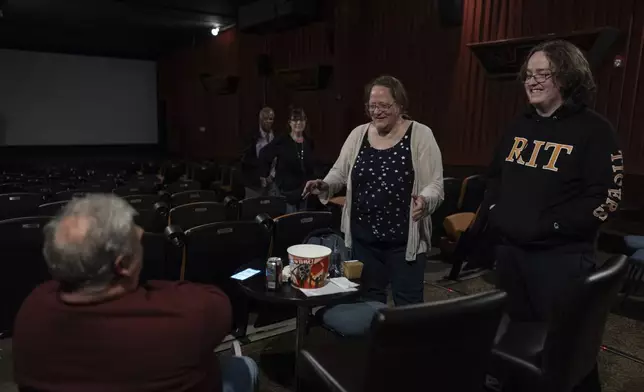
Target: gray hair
{"x": 81, "y": 253}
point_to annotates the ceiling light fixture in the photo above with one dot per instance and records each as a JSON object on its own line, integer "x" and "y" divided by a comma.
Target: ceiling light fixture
{"x": 215, "y": 31}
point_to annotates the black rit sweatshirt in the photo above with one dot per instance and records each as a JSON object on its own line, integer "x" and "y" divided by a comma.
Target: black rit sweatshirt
{"x": 554, "y": 180}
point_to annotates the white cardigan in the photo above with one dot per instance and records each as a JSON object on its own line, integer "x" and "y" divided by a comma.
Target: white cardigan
{"x": 428, "y": 182}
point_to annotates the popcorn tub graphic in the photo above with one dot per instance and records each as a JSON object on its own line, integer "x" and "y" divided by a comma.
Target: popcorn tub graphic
{"x": 309, "y": 265}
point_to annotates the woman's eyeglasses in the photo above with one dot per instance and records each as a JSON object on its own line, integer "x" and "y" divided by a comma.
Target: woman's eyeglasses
{"x": 383, "y": 107}
{"x": 538, "y": 77}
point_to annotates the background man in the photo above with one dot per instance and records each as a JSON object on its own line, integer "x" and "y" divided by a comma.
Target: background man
{"x": 250, "y": 159}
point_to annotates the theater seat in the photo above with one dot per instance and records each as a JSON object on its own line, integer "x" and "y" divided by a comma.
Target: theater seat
{"x": 182, "y": 186}
{"x": 472, "y": 192}
{"x": 191, "y": 215}
{"x": 142, "y": 202}
{"x": 51, "y": 209}
{"x": 452, "y": 189}
{"x": 135, "y": 189}
{"x": 15, "y": 205}
{"x": 215, "y": 251}
{"x": 559, "y": 356}
{"x": 251, "y": 207}
{"x": 193, "y": 196}
{"x": 456, "y": 224}
{"x": 161, "y": 260}
{"x": 292, "y": 229}
{"x": 437, "y": 346}
{"x": 72, "y": 194}
{"x": 22, "y": 265}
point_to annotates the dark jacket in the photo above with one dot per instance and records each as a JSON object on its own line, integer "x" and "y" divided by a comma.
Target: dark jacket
{"x": 250, "y": 161}
{"x": 294, "y": 165}
{"x": 554, "y": 180}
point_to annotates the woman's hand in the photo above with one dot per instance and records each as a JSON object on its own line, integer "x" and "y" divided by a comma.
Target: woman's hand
{"x": 419, "y": 208}
{"x": 314, "y": 187}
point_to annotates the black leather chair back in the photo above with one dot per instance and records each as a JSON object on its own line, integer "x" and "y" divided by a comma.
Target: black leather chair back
{"x": 575, "y": 334}
{"x": 150, "y": 168}
{"x": 191, "y": 215}
{"x": 251, "y": 207}
{"x": 224, "y": 175}
{"x": 215, "y": 251}
{"x": 237, "y": 188}
{"x": 442, "y": 346}
{"x": 193, "y": 196}
{"x": 205, "y": 174}
{"x": 142, "y": 202}
{"x": 22, "y": 265}
{"x": 72, "y": 194}
{"x": 173, "y": 171}
{"x": 182, "y": 186}
{"x": 44, "y": 189}
{"x": 15, "y": 205}
{"x": 51, "y": 209}
{"x": 452, "y": 189}
{"x": 152, "y": 220}
{"x": 12, "y": 187}
{"x": 292, "y": 229}
{"x": 143, "y": 179}
{"x": 161, "y": 260}
{"x": 130, "y": 189}
{"x": 100, "y": 186}
{"x": 63, "y": 185}
{"x": 472, "y": 192}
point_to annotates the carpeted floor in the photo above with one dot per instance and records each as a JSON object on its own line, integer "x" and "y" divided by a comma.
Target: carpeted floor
{"x": 624, "y": 337}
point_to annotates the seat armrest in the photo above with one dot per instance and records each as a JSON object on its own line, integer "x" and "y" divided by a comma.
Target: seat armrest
{"x": 317, "y": 374}
{"x": 175, "y": 235}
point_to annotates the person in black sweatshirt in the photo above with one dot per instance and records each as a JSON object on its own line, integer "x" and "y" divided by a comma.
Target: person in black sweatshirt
{"x": 555, "y": 178}
{"x": 293, "y": 153}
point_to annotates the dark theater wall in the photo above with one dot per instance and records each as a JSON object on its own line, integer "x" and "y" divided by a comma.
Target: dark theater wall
{"x": 448, "y": 88}
{"x": 360, "y": 38}
{"x": 482, "y": 106}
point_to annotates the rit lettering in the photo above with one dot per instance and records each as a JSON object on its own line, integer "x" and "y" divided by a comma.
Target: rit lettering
{"x": 540, "y": 147}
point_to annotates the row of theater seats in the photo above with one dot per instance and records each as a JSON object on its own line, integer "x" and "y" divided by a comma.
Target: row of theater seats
{"x": 186, "y": 209}
{"x": 207, "y": 243}
{"x": 29, "y": 197}
{"x": 23, "y": 193}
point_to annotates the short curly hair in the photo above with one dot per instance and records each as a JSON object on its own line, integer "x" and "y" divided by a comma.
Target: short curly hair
{"x": 570, "y": 67}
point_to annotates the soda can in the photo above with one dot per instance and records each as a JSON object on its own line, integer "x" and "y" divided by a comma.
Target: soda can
{"x": 273, "y": 273}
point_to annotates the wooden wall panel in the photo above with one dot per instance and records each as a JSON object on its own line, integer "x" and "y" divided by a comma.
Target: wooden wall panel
{"x": 448, "y": 88}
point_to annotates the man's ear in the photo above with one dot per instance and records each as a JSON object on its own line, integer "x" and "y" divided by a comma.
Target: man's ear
{"x": 122, "y": 266}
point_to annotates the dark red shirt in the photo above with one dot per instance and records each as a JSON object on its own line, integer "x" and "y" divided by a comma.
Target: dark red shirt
{"x": 160, "y": 337}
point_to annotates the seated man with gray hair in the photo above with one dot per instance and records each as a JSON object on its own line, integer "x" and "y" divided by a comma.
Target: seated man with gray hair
{"x": 94, "y": 328}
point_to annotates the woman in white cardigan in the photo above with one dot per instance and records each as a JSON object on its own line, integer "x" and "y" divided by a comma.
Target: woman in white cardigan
{"x": 393, "y": 172}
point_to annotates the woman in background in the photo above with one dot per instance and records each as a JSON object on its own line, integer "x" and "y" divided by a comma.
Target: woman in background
{"x": 393, "y": 171}
{"x": 294, "y": 161}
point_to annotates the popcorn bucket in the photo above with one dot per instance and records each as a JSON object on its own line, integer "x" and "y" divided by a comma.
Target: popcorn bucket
{"x": 309, "y": 265}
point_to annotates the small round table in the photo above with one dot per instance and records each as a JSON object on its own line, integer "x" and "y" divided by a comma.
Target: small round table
{"x": 255, "y": 287}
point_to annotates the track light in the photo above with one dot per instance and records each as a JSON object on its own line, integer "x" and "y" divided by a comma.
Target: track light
{"x": 215, "y": 31}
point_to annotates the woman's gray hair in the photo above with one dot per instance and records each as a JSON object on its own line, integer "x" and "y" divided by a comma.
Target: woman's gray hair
{"x": 84, "y": 258}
